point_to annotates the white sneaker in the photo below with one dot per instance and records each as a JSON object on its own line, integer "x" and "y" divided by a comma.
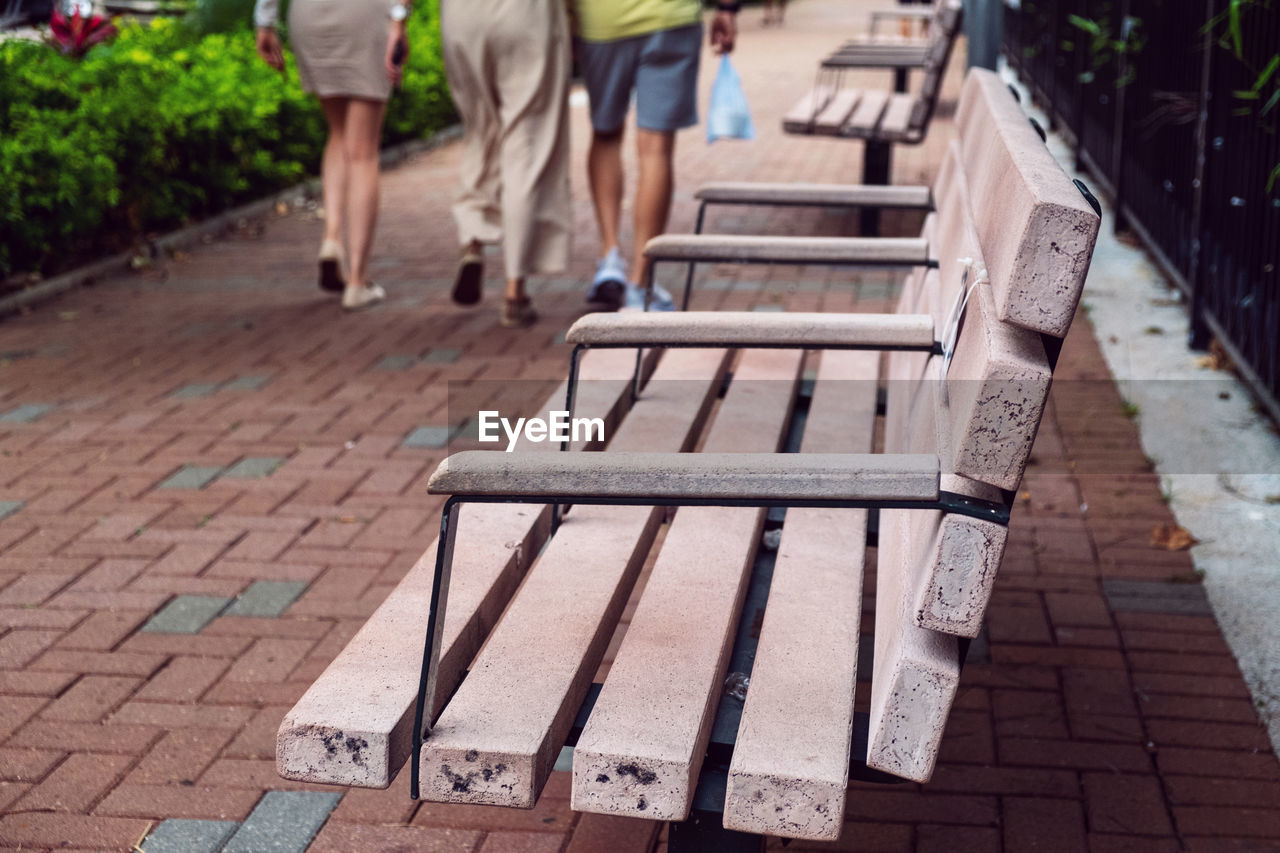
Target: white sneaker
{"x": 356, "y": 298}
{"x": 660, "y": 301}
{"x": 608, "y": 288}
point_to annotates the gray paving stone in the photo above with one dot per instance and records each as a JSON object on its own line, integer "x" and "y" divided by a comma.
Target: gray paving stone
{"x": 396, "y": 362}
{"x": 8, "y": 508}
{"x": 442, "y": 355}
{"x": 283, "y": 822}
{"x": 1157, "y": 597}
{"x": 197, "y": 389}
{"x": 429, "y": 436}
{"x": 254, "y": 467}
{"x": 767, "y": 309}
{"x": 266, "y": 598}
{"x": 247, "y": 383}
{"x": 25, "y": 414}
{"x": 190, "y": 477}
{"x": 559, "y": 339}
{"x": 189, "y": 836}
{"x": 186, "y": 614}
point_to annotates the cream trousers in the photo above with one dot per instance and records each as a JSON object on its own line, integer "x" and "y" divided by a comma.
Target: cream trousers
{"x": 508, "y": 67}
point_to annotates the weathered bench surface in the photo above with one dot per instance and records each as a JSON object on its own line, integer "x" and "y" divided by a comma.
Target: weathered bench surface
{"x": 526, "y": 630}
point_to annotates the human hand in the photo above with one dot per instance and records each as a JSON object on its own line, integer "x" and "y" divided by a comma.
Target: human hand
{"x": 269, "y": 48}
{"x": 724, "y": 31}
{"x": 397, "y": 52}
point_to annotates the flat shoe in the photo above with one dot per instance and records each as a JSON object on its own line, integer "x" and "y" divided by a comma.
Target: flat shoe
{"x": 517, "y": 314}
{"x": 467, "y": 285}
{"x": 333, "y": 278}
{"x": 357, "y": 298}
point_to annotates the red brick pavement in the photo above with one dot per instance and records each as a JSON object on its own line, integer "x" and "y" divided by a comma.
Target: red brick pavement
{"x": 1082, "y": 728}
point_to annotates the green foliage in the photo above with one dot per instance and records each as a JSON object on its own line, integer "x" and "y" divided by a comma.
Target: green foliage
{"x": 163, "y": 125}
{"x": 1105, "y": 46}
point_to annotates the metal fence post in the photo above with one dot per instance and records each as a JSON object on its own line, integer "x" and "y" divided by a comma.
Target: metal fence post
{"x": 1198, "y": 336}
{"x": 983, "y": 27}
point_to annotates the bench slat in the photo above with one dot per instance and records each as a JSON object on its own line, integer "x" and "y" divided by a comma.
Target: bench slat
{"x": 498, "y": 737}
{"x": 878, "y": 55}
{"x": 833, "y": 116}
{"x": 640, "y": 753}
{"x": 818, "y": 195}
{"x": 736, "y": 248}
{"x": 354, "y": 725}
{"x": 725, "y": 328}
{"x": 790, "y": 766}
{"x": 799, "y": 119}
{"x": 897, "y": 116}
{"x": 700, "y": 476}
{"x": 865, "y": 121}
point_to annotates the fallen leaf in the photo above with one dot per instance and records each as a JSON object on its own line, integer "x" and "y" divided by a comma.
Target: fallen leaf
{"x": 1172, "y": 537}
{"x": 281, "y": 208}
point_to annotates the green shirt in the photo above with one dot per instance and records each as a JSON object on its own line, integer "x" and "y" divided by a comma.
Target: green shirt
{"x": 607, "y": 20}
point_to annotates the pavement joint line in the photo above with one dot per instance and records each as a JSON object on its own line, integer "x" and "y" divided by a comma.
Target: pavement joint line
{"x": 283, "y": 822}
{"x": 8, "y": 508}
{"x": 254, "y": 467}
{"x": 267, "y": 599}
{"x": 191, "y": 477}
{"x": 186, "y": 614}
{"x": 25, "y": 413}
{"x": 178, "y": 835}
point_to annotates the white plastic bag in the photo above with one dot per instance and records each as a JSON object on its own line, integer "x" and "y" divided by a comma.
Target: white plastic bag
{"x": 728, "y": 116}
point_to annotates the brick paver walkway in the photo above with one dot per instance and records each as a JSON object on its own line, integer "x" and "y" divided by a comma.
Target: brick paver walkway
{"x": 211, "y": 476}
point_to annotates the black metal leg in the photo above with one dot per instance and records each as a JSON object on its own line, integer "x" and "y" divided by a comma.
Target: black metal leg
{"x": 435, "y": 632}
{"x": 688, "y": 279}
{"x": 877, "y": 162}
{"x": 570, "y": 395}
{"x": 900, "y": 80}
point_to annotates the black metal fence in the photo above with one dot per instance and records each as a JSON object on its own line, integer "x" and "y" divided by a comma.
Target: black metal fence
{"x": 1160, "y": 113}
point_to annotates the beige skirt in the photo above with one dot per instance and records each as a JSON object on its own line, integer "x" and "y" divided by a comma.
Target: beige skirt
{"x": 340, "y": 46}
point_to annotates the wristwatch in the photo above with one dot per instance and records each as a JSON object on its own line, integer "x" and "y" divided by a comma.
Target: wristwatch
{"x": 399, "y": 12}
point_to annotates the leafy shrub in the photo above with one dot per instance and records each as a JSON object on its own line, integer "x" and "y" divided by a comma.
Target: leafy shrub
{"x": 161, "y": 126}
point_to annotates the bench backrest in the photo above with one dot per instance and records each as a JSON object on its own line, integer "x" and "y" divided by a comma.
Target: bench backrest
{"x": 1013, "y": 238}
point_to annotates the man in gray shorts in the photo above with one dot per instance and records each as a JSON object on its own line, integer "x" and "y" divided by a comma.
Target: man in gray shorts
{"x": 650, "y": 48}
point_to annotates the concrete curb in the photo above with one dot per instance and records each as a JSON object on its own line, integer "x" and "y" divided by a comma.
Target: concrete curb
{"x": 215, "y": 225}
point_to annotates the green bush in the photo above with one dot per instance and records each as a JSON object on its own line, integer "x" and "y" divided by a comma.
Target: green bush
{"x": 161, "y": 126}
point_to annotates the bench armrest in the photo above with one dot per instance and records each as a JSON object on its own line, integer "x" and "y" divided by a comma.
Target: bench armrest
{"x": 643, "y": 477}
{"x": 744, "y": 249}
{"x": 749, "y": 328}
{"x": 816, "y": 195}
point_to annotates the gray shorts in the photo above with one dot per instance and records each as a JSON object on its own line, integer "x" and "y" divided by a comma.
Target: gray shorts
{"x": 661, "y": 68}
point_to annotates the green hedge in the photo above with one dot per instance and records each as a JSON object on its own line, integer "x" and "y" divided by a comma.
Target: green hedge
{"x": 162, "y": 126}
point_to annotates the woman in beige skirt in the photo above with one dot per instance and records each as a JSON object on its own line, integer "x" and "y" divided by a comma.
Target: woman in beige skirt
{"x": 348, "y": 57}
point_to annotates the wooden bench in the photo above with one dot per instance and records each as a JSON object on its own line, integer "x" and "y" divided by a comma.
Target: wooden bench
{"x": 877, "y": 117}
{"x": 967, "y": 381}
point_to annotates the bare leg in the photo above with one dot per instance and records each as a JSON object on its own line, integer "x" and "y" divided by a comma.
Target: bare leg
{"x": 604, "y": 173}
{"x": 655, "y": 150}
{"x": 364, "y": 126}
{"x": 333, "y": 169}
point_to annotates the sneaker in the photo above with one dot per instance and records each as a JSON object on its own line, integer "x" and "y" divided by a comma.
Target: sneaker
{"x": 660, "y": 301}
{"x": 609, "y": 286}
{"x": 359, "y": 298}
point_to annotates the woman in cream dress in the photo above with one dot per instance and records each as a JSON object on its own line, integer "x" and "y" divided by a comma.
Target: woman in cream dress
{"x": 349, "y": 54}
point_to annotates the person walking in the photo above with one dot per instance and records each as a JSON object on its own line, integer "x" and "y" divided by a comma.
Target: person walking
{"x": 508, "y": 64}
{"x": 650, "y": 48}
{"x": 349, "y": 54}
